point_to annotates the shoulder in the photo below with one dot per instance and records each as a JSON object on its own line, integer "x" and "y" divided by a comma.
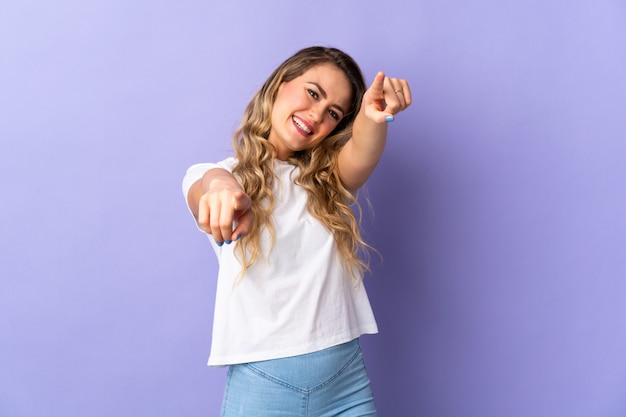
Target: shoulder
{"x": 227, "y": 164}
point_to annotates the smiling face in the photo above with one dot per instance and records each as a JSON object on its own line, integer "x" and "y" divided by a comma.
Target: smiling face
{"x": 308, "y": 108}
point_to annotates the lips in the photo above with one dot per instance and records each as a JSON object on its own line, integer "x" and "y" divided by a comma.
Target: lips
{"x": 303, "y": 126}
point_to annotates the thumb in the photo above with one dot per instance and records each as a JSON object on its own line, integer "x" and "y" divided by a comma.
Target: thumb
{"x": 244, "y": 225}
{"x": 243, "y": 215}
{"x": 242, "y": 201}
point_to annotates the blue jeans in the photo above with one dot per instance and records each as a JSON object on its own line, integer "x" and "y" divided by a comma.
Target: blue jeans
{"x": 331, "y": 382}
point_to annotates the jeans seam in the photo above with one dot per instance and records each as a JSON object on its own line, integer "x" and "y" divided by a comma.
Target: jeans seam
{"x": 294, "y": 388}
{"x": 226, "y": 391}
{"x": 274, "y": 379}
{"x": 337, "y": 374}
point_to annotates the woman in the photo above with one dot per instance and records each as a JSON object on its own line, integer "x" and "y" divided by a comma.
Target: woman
{"x": 290, "y": 306}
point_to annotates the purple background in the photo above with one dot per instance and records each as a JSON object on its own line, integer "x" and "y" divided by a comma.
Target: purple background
{"x": 500, "y": 203}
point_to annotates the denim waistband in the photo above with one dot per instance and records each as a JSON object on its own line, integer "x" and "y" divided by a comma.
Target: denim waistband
{"x": 310, "y": 371}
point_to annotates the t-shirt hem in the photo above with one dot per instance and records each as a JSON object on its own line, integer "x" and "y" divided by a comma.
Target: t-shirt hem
{"x": 220, "y": 361}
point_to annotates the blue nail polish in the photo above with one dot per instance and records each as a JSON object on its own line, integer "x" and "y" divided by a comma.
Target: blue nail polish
{"x": 389, "y": 118}
{"x": 228, "y": 242}
{"x": 220, "y": 243}
{"x": 238, "y": 237}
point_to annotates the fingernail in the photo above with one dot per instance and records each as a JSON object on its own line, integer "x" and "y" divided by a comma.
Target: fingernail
{"x": 220, "y": 243}
{"x": 389, "y": 118}
{"x": 238, "y": 237}
{"x": 228, "y": 242}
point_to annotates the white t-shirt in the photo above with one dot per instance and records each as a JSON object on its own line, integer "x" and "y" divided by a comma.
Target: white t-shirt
{"x": 299, "y": 300}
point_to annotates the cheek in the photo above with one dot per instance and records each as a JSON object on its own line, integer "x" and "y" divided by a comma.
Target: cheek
{"x": 330, "y": 124}
{"x": 324, "y": 131}
{"x": 286, "y": 107}
{"x": 328, "y": 128}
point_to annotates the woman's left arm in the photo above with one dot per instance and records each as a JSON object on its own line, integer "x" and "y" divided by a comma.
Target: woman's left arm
{"x": 385, "y": 98}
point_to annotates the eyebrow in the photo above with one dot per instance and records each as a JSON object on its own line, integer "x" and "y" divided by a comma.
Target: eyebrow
{"x": 323, "y": 92}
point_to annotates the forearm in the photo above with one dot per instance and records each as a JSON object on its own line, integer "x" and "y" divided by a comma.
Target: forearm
{"x": 360, "y": 155}
{"x": 368, "y": 141}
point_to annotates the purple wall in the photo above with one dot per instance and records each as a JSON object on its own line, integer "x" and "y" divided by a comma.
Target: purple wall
{"x": 500, "y": 204}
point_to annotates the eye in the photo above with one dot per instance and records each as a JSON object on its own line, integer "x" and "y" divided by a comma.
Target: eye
{"x": 333, "y": 114}
{"x": 313, "y": 93}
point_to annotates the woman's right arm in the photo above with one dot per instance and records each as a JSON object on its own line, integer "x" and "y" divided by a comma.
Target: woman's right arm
{"x": 219, "y": 203}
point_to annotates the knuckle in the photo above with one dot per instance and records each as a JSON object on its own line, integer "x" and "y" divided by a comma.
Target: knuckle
{"x": 393, "y": 107}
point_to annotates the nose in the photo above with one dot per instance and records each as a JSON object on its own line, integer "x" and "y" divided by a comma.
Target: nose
{"x": 316, "y": 113}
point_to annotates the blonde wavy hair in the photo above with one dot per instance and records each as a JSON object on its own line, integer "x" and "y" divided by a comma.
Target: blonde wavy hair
{"x": 329, "y": 201}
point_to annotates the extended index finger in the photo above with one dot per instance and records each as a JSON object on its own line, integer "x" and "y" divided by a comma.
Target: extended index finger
{"x": 378, "y": 84}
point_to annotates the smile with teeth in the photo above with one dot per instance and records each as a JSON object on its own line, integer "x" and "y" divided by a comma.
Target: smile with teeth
{"x": 302, "y": 125}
